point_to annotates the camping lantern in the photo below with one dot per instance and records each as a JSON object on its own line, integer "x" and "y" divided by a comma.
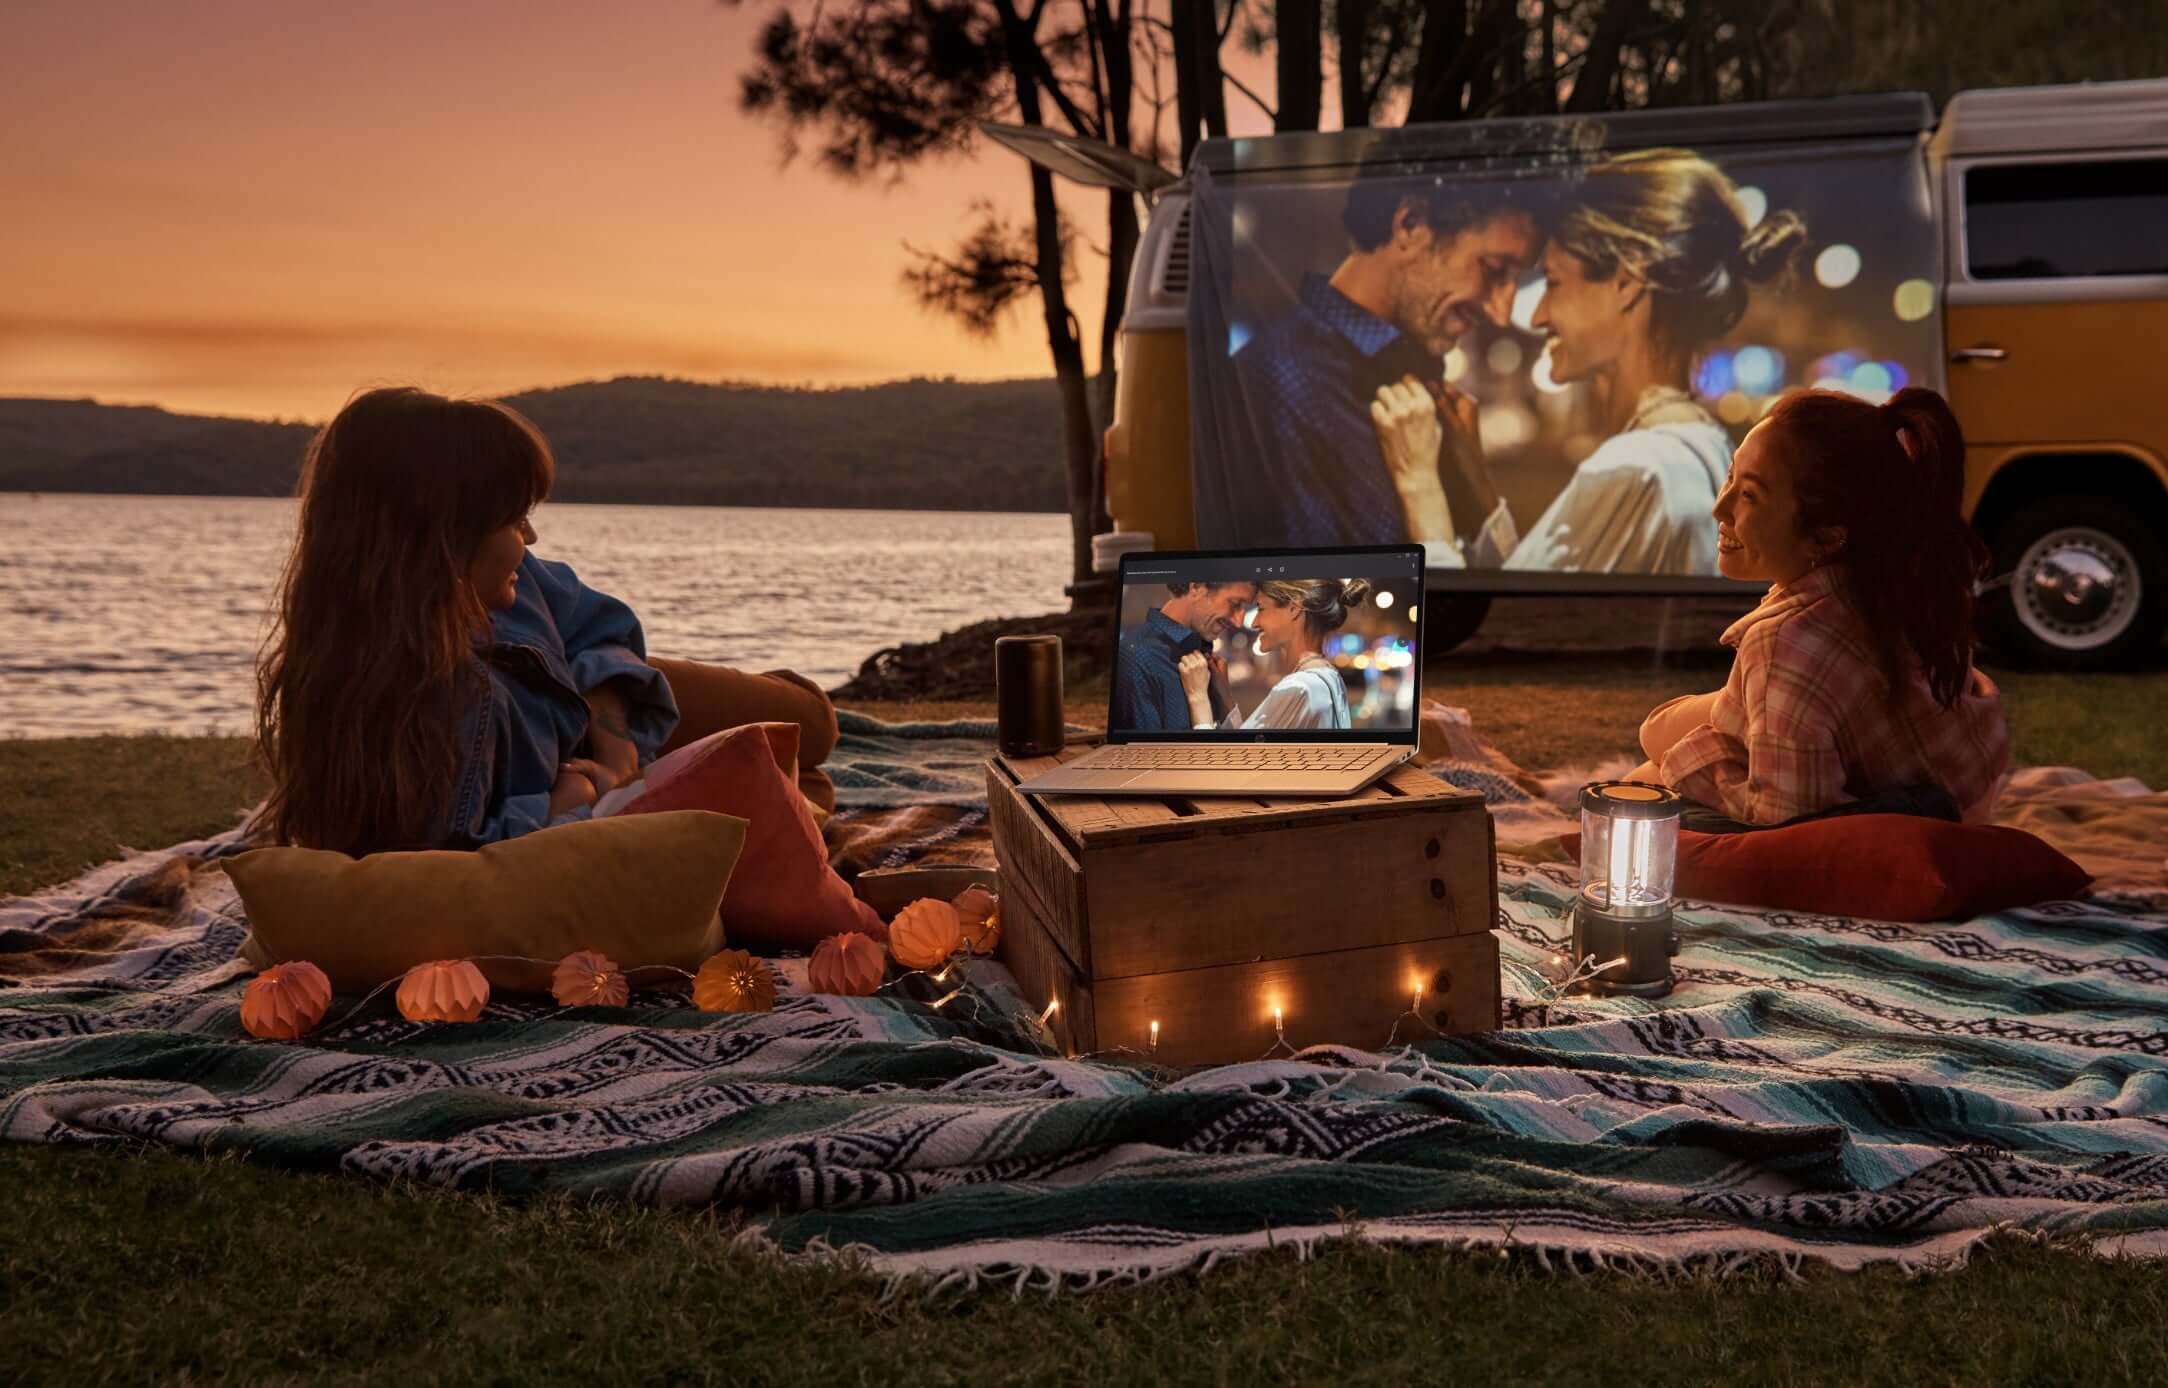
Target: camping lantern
{"x": 1622, "y": 925}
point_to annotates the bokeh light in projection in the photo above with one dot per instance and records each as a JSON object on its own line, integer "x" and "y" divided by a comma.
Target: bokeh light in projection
{"x": 1870, "y": 380}
{"x": 1525, "y": 300}
{"x": 1757, "y": 370}
{"x": 1836, "y": 267}
{"x": 1914, "y": 300}
{"x": 1504, "y": 356}
{"x": 1456, "y": 364}
{"x": 1385, "y": 599}
{"x": 1755, "y": 203}
{"x": 1713, "y": 376}
{"x": 1734, "y": 408}
{"x": 1506, "y": 426}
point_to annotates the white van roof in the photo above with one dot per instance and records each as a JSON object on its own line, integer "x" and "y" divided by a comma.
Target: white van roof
{"x": 2027, "y": 120}
{"x": 1535, "y": 140}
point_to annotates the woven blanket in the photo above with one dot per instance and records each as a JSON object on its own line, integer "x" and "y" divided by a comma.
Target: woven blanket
{"x": 1817, "y": 1088}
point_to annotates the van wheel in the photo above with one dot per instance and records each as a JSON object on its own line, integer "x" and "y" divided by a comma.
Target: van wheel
{"x": 2087, "y": 589}
{"x": 1452, "y": 619}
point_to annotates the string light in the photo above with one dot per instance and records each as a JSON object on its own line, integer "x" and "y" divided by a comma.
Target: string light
{"x": 1155, "y": 1036}
{"x": 938, "y": 1003}
{"x": 1053, "y": 1005}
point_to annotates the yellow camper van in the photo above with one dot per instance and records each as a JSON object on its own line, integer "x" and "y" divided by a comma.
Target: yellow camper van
{"x": 2012, "y": 253}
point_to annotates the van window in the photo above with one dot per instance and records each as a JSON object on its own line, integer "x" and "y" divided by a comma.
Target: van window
{"x": 2057, "y": 221}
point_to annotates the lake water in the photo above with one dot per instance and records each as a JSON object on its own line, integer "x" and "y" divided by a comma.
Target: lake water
{"x": 134, "y": 613}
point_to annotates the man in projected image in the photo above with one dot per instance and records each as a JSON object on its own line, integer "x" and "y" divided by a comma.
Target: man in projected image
{"x": 1646, "y": 269}
{"x": 1428, "y": 259}
{"x": 1148, "y": 695}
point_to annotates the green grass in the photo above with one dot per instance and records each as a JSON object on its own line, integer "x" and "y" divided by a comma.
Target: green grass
{"x": 139, "y": 1265}
{"x": 150, "y": 1265}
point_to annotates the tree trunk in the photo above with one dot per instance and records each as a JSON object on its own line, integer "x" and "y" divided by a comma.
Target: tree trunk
{"x": 1122, "y": 237}
{"x": 1211, "y": 86}
{"x": 1592, "y": 89}
{"x": 1299, "y": 64}
{"x": 1354, "y": 39}
{"x": 1435, "y": 94}
{"x": 1188, "y": 83}
{"x": 1079, "y": 449}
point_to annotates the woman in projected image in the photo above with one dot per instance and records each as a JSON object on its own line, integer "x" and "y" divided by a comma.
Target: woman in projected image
{"x": 1293, "y": 619}
{"x": 1644, "y": 271}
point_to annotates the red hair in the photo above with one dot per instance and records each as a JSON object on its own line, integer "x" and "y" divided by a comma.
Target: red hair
{"x": 1892, "y": 476}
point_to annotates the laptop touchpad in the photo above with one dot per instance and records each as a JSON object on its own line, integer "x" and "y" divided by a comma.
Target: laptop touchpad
{"x": 1193, "y": 782}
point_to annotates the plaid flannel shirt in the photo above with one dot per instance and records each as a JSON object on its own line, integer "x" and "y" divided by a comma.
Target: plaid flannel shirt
{"x": 1805, "y": 722}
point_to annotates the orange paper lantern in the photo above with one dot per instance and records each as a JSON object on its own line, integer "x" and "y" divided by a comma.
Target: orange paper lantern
{"x": 978, "y": 911}
{"x": 734, "y": 981}
{"x": 448, "y": 990}
{"x": 925, "y": 933}
{"x": 849, "y": 964}
{"x": 285, "y": 1001}
{"x": 587, "y": 979}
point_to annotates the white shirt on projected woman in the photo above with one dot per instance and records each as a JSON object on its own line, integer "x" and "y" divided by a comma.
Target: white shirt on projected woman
{"x": 1312, "y": 695}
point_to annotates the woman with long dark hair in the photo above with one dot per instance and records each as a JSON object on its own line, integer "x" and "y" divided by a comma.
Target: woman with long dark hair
{"x": 428, "y": 682}
{"x": 1854, "y": 676}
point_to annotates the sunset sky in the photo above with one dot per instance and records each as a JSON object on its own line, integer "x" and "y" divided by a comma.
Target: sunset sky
{"x": 254, "y": 206}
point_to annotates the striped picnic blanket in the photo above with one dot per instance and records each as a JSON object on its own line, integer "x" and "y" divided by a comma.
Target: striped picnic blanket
{"x": 1824, "y": 1088}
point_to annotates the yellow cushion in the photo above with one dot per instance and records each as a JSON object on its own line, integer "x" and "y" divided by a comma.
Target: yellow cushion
{"x": 642, "y": 889}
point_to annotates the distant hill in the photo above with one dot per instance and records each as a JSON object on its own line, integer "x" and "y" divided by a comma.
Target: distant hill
{"x": 932, "y": 445}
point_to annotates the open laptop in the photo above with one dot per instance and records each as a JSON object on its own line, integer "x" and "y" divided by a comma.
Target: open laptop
{"x": 1306, "y": 665}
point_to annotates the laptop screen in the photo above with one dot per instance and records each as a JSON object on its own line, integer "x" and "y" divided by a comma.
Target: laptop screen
{"x": 1285, "y": 645}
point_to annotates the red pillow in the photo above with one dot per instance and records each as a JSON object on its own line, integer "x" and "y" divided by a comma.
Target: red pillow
{"x": 1889, "y": 867}
{"x": 784, "y": 894}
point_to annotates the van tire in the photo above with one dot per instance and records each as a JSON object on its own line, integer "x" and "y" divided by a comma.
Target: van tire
{"x": 1451, "y": 620}
{"x": 2030, "y": 616}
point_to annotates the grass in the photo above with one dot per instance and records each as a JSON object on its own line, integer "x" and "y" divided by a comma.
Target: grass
{"x": 145, "y": 1264}
{"x": 150, "y": 1266}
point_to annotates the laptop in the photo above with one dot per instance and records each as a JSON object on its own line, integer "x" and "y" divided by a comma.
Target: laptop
{"x": 1292, "y": 673}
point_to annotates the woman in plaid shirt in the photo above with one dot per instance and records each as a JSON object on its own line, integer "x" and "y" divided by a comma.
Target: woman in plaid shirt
{"x": 1854, "y": 676}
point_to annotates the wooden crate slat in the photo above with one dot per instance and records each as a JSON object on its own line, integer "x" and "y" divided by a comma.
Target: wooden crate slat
{"x": 1349, "y": 998}
{"x": 1044, "y": 873}
{"x": 1214, "y": 899}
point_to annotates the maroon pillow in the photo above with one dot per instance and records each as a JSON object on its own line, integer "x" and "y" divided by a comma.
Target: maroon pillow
{"x": 1890, "y": 867}
{"x": 784, "y": 895}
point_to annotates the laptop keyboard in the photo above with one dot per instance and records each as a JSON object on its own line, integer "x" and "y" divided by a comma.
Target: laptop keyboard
{"x": 1253, "y": 757}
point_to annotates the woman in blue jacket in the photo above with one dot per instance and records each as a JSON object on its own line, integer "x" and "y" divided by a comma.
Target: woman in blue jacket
{"x": 428, "y": 682}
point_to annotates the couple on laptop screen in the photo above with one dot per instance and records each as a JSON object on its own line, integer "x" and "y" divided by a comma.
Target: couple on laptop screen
{"x": 1315, "y": 654}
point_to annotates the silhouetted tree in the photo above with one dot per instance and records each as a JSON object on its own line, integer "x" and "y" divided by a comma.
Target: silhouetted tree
{"x": 881, "y": 84}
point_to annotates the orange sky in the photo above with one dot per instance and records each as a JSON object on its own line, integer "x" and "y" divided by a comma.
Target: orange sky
{"x": 248, "y": 207}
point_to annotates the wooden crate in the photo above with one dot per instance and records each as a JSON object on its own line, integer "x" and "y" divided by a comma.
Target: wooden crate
{"x": 1207, "y": 914}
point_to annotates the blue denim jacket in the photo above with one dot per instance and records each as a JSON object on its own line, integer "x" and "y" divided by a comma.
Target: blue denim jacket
{"x": 559, "y": 639}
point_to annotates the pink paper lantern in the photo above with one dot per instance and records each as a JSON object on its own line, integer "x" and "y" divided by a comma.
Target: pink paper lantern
{"x": 285, "y": 1001}
{"x": 588, "y": 979}
{"x": 849, "y": 964}
{"x": 448, "y": 990}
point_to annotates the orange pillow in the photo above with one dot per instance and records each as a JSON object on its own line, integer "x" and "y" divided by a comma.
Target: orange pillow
{"x": 1889, "y": 867}
{"x": 784, "y": 894}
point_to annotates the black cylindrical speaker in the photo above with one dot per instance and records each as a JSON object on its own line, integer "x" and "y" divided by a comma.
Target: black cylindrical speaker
{"x": 1027, "y": 692}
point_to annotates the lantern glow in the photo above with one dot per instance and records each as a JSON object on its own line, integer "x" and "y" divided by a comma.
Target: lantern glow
{"x": 1629, "y": 853}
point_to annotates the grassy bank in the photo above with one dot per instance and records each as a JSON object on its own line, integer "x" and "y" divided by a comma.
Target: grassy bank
{"x": 126, "y": 1266}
